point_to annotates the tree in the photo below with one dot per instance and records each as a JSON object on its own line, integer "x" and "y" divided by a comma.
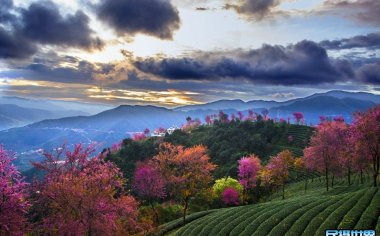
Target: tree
{"x": 265, "y": 113}
{"x": 366, "y": 128}
{"x": 278, "y": 167}
{"x": 149, "y": 185}
{"x": 247, "y": 172}
{"x": 186, "y": 170}
{"x": 13, "y": 203}
{"x": 82, "y": 195}
{"x": 230, "y": 196}
{"x": 325, "y": 146}
{"x": 138, "y": 136}
{"x": 241, "y": 116}
{"x": 208, "y": 120}
{"x": 298, "y": 116}
{"x": 299, "y": 165}
{"x": 223, "y": 117}
{"x": 146, "y": 131}
{"x": 224, "y": 183}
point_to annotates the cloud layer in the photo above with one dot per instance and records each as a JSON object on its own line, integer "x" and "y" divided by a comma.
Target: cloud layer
{"x": 303, "y": 63}
{"x": 42, "y": 24}
{"x": 153, "y": 17}
{"x": 361, "y": 41}
{"x": 257, "y": 9}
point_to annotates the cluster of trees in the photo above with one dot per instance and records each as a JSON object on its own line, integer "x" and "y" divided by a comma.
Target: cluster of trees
{"x": 78, "y": 195}
{"x": 252, "y": 175}
{"x": 82, "y": 194}
{"x": 177, "y": 173}
{"x": 338, "y": 149}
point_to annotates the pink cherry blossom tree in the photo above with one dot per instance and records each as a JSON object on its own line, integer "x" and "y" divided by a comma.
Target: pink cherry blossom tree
{"x": 230, "y": 196}
{"x": 13, "y": 203}
{"x": 247, "y": 172}
{"x": 366, "y": 129}
{"x": 325, "y": 146}
{"x": 80, "y": 195}
{"x": 298, "y": 116}
{"x": 240, "y": 115}
{"x": 149, "y": 185}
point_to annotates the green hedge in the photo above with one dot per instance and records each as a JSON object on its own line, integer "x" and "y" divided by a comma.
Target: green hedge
{"x": 370, "y": 216}
{"x": 352, "y": 217}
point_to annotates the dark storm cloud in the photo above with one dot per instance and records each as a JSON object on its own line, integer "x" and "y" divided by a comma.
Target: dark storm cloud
{"x": 258, "y": 9}
{"x": 303, "y": 63}
{"x": 5, "y": 7}
{"x": 370, "y": 73}
{"x": 361, "y": 41}
{"x": 42, "y": 24}
{"x": 364, "y": 11}
{"x": 153, "y": 17}
{"x": 13, "y": 45}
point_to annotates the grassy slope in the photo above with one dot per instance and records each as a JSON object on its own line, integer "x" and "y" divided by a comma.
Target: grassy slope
{"x": 344, "y": 207}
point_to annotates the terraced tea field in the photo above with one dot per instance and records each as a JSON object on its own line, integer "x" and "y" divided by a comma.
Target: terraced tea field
{"x": 310, "y": 213}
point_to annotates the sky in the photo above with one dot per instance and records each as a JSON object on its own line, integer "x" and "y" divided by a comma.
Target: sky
{"x": 182, "y": 52}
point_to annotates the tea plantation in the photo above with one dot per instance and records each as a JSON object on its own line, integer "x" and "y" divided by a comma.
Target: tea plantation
{"x": 301, "y": 213}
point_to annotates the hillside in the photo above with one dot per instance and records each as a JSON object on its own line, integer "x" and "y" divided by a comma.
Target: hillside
{"x": 345, "y": 207}
{"x": 13, "y": 115}
{"x": 226, "y": 142}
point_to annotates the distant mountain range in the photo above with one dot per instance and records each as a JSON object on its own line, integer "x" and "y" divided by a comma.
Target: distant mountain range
{"x": 241, "y": 105}
{"x": 115, "y": 124}
{"x": 17, "y": 112}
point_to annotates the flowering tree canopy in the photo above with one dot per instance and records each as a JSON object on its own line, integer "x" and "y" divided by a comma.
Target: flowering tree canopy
{"x": 248, "y": 170}
{"x": 366, "y": 131}
{"x": 298, "y": 116}
{"x": 186, "y": 170}
{"x": 230, "y": 196}
{"x": 13, "y": 203}
{"x": 82, "y": 196}
{"x": 325, "y": 146}
{"x": 278, "y": 168}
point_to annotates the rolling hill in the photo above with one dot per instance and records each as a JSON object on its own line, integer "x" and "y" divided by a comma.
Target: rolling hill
{"x": 311, "y": 213}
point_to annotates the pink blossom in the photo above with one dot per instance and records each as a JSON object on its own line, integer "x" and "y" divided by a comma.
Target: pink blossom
{"x": 230, "y": 196}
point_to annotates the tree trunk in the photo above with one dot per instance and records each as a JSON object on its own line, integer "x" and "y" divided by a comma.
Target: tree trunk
{"x": 283, "y": 191}
{"x": 185, "y": 209}
{"x": 361, "y": 176}
{"x": 376, "y": 166}
{"x": 375, "y": 179}
{"x": 349, "y": 176}
{"x": 327, "y": 180}
{"x": 305, "y": 185}
{"x": 155, "y": 213}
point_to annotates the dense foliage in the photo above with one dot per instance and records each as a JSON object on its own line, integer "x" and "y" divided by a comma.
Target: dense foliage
{"x": 82, "y": 196}
{"x": 227, "y": 142}
{"x": 13, "y": 203}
